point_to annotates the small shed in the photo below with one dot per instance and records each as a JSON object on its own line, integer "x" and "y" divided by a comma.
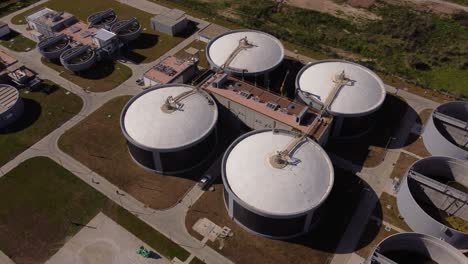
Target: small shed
{"x": 171, "y": 23}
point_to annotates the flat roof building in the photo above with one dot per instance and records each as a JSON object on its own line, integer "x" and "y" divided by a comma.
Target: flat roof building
{"x": 49, "y": 22}
{"x": 4, "y": 29}
{"x": 170, "y": 70}
{"x": 258, "y": 108}
{"x": 172, "y": 22}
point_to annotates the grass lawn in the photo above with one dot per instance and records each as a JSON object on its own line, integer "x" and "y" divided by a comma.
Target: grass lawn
{"x": 17, "y": 42}
{"x": 150, "y": 46}
{"x": 110, "y": 158}
{"x": 104, "y": 76}
{"x": 369, "y": 150}
{"x": 42, "y": 114}
{"x": 10, "y": 6}
{"x": 390, "y": 211}
{"x": 44, "y": 204}
{"x": 196, "y": 261}
{"x": 199, "y": 45}
{"x": 315, "y": 247}
{"x": 402, "y": 165}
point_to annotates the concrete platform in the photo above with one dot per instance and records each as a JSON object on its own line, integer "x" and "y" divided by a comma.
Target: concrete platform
{"x": 103, "y": 242}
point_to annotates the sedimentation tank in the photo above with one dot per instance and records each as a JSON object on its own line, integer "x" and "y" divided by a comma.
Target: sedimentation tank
{"x": 78, "y": 59}
{"x": 446, "y": 131}
{"x": 432, "y": 199}
{"x": 170, "y": 129}
{"x": 127, "y": 30}
{"x": 272, "y": 198}
{"x": 359, "y": 93}
{"x": 102, "y": 19}
{"x": 261, "y": 52}
{"x": 11, "y": 105}
{"x": 415, "y": 248}
{"x": 52, "y": 47}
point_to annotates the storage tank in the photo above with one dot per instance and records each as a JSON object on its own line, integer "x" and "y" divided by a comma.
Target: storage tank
{"x": 11, "y": 105}
{"x": 415, "y": 248}
{"x": 170, "y": 129}
{"x": 446, "y": 131}
{"x": 245, "y": 52}
{"x": 272, "y": 197}
{"x": 351, "y": 91}
{"x": 78, "y": 59}
{"x": 52, "y": 47}
{"x": 433, "y": 199}
{"x": 127, "y": 30}
{"x": 103, "y": 19}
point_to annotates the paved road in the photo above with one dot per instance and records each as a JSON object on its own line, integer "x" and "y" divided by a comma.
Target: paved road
{"x": 172, "y": 222}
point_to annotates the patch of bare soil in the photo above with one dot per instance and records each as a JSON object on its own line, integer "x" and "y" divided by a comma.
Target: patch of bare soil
{"x": 340, "y": 10}
{"x": 361, "y": 3}
{"x": 435, "y": 6}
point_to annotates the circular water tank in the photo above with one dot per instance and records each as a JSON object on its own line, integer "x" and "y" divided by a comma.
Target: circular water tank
{"x": 127, "y": 30}
{"x": 272, "y": 199}
{"x": 102, "y": 19}
{"x": 52, "y": 47}
{"x": 170, "y": 140}
{"x": 263, "y": 54}
{"x": 363, "y": 92}
{"x": 415, "y": 248}
{"x": 446, "y": 131}
{"x": 78, "y": 59}
{"x": 11, "y": 105}
{"x": 349, "y": 91}
{"x": 433, "y": 192}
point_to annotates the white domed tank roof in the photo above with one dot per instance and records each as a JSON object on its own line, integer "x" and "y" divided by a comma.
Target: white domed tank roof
{"x": 292, "y": 190}
{"x": 9, "y": 95}
{"x": 146, "y": 124}
{"x": 266, "y": 53}
{"x": 363, "y": 93}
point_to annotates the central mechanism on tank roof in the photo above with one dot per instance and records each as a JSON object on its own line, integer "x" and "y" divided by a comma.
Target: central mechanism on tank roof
{"x": 173, "y": 103}
{"x": 244, "y": 44}
{"x": 283, "y": 158}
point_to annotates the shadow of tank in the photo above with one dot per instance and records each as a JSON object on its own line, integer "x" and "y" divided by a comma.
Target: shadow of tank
{"x": 103, "y": 19}
{"x": 78, "y": 59}
{"x": 51, "y": 48}
{"x": 127, "y": 30}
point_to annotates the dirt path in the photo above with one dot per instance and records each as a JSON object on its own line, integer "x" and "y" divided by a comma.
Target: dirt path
{"x": 340, "y": 10}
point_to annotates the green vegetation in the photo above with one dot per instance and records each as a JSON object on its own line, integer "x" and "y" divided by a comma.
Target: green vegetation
{"x": 43, "y": 204}
{"x": 104, "y": 76}
{"x": 147, "y": 48}
{"x": 17, "y": 42}
{"x": 10, "y": 6}
{"x": 199, "y": 45}
{"x": 42, "y": 114}
{"x": 423, "y": 48}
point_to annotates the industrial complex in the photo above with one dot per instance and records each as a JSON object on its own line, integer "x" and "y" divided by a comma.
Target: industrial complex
{"x": 77, "y": 44}
{"x": 210, "y": 130}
